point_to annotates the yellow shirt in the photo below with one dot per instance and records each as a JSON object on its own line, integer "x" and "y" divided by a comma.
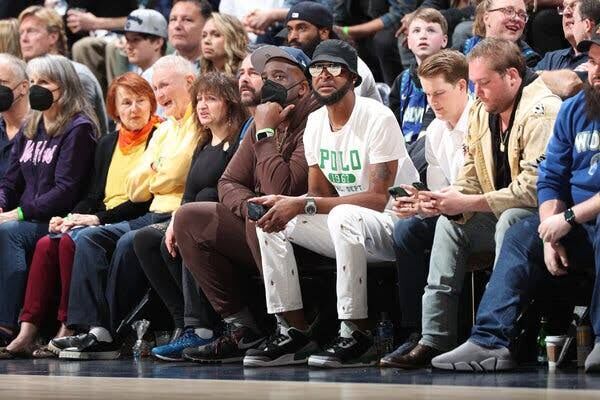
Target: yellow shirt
{"x": 170, "y": 149}
{"x": 115, "y": 192}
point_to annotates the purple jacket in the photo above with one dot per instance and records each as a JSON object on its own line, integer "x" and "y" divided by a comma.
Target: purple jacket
{"x": 46, "y": 176}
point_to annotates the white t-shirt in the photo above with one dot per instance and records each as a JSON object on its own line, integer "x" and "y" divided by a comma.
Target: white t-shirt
{"x": 444, "y": 150}
{"x": 371, "y": 136}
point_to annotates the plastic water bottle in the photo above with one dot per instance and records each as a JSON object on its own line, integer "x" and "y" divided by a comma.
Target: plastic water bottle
{"x": 385, "y": 334}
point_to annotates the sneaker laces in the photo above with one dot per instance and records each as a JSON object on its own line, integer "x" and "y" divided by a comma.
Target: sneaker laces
{"x": 186, "y": 339}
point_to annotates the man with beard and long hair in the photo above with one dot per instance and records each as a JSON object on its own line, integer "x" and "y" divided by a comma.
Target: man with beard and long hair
{"x": 355, "y": 151}
{"x": 307, "y": 24}
{"x": 563, "y": 241}
{"x": 250, "y": 84}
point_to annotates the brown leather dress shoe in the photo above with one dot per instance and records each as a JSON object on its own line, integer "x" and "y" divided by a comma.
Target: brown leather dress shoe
{"x": 419, "y": 357}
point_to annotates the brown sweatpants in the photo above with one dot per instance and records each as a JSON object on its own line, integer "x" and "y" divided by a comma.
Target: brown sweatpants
{"x": 219, "y": 249}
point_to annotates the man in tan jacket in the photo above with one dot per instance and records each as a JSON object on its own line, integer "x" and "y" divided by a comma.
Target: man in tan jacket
{"x": 509, "y": 127}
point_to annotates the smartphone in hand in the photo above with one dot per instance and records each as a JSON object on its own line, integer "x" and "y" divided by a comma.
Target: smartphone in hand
{"x": 397, "y": 191}
{"x": 420, "y": 186}
{"x": 256, "y": 211}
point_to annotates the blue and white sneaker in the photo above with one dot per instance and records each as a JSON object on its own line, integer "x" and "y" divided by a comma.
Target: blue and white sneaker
{"x": 173, "y": 351}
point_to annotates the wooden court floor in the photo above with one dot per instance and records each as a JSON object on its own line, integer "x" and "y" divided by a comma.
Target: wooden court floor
{"x": 91, "y": 388}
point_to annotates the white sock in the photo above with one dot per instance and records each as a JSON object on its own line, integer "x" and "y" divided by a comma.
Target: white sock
{"x": 204, "y": 333}
{"x": 101, "y": 334}
{"x": 346, "y": 329}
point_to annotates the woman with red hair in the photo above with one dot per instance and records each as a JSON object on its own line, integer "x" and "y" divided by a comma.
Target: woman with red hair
{"x": 131, "y": 103}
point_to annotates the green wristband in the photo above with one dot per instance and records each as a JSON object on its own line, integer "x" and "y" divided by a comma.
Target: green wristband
{"x": 346, "y": 30}
{"x": 20, "y": 215}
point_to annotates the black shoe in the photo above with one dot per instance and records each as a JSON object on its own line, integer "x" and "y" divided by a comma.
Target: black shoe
{"x": 57, "y": 345}
{"x": 345, "y": 352}
{"x": 287, "y": 346}
{"x": 228, "y": 348}
{"x": 90, "y": 348}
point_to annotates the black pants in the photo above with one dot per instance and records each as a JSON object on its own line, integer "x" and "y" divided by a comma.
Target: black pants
{"x": 173, "y": 283}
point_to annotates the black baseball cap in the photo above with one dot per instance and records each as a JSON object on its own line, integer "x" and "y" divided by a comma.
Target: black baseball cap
{"x": 312, "y": 12}
{"x": 338, "y": 51}
{"x": 584, "y": 45}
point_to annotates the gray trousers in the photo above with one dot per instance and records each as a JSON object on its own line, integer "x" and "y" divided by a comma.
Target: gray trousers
{"x": 452, "y": 245}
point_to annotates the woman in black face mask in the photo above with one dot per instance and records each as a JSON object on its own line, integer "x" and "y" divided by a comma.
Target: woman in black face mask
{"x": 14, "y": 103}
{"x": 47, "y": 174}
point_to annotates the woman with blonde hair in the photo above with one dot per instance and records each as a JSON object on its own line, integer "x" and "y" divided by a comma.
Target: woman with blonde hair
{"x": 47, "y": 174}
{"x": 224, "y": 44}
{"x": 9, "y": 37}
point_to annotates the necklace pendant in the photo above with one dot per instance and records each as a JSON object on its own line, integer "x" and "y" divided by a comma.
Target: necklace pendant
{"x": 502, "y": 147}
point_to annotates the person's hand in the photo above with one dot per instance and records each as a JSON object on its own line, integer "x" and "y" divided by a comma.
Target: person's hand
{"x": 78, "y": 20}
{"x": 447, "y": 201}
{"x": 73, "y": 220}
{"x": 553, "y": 228}
{"x": 406, "y": 206}
{"x": 555, "y": 257}
{"x": 403, "y": 30}
{"x": 9, "y": 216}
{"x": 55, "y": 224}
{"x": 257, "y": 21}
{"x": 270, "y": 115}
{"x": 346, "y": 36}
{"x": 281, "y": 211}
{"x": 170, "y": 241}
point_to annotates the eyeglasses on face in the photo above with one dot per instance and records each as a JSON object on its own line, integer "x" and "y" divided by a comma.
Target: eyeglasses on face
{"x": 333, "y": 69}
{"x": 510, "y": 12}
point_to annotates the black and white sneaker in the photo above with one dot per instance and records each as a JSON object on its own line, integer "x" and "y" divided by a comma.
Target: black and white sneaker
{"x": 57, "y": 345}
{"x": 90, "y": 348}
{"x": 287, "y": 346}
{"x": 358, "y": 350}
{"x": 228, "y": 348}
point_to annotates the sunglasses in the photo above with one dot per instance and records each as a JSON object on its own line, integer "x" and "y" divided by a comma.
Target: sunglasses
{"x": 333, "y": 69}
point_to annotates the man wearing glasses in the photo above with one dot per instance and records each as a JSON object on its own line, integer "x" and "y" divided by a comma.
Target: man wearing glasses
{"x": 355, "y": 151}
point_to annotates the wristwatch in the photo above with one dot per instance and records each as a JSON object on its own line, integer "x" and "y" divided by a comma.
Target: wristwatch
{"x": 570, "y": 217}
{"x": 265, "y": 133}
{"x": 310, "y": 208}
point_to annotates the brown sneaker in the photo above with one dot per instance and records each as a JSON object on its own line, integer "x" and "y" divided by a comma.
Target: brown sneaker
{"x": 419, "y": 357}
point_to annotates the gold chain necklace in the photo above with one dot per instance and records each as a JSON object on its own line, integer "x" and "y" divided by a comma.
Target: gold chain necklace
{"x": 279, "y": 138}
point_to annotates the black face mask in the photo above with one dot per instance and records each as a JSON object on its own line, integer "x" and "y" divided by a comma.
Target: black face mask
{"x": 276, "y": 92}
{"x": 40, "y": 98}
{"x": 6, "y": 98}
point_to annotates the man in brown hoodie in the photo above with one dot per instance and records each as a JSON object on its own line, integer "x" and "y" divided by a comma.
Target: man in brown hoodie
{"x": 217, "y": 240}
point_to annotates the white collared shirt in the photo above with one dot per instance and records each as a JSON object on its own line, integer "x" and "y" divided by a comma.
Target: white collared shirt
{"x": 444, "y": 150}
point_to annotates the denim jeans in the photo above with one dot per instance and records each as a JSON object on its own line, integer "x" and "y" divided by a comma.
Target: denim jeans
{"x": 452, "y": 245}
{"x": 521, "y": 270}
{"x": 17, "y": 242}
{"x": 413, "y": 238}
{"x": 107, "y": 280}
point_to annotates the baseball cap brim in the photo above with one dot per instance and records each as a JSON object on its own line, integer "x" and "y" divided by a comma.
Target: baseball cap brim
{"x": 584, "y": 45}
{"x": 123, "y": 31}
{"x": 338, "y": 60}
{"x": 262, "y": 55}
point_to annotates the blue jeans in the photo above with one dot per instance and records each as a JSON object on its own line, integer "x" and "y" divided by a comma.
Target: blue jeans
{"x": 107, "y": 280}
{"x": 413, "y": 238}
{"x": 17, "y": 242}
{"x": 520, "y": 270}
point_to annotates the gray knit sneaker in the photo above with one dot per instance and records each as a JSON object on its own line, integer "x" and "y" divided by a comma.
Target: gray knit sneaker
{"x": 472, "y": 357}
{"x": 592, "y": 362}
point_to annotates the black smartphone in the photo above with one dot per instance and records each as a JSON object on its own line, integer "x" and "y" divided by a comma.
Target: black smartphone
{"x": 420, "y": 186}
{"x": 397, "y": 191}
{"x": 256, "y": 211}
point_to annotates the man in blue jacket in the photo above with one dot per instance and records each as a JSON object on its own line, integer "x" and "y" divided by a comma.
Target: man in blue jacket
{"x": 565, "y": 237}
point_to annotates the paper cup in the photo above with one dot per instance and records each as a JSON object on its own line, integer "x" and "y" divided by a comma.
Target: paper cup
{"x": 554, "y": 345}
